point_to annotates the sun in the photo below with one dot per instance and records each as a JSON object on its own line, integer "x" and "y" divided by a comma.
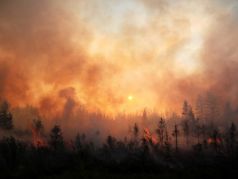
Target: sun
{"x": 130, "y": 97}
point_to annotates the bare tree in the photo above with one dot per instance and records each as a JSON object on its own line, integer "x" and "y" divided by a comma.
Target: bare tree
{"x": 136, "y": 134}
{"x": 186, "y": 131}
{"x": 175, "y": 134}
{"x": 161, "y": 131}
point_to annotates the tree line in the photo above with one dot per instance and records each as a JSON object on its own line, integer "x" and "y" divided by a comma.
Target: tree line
{"x": 186, "y": 143}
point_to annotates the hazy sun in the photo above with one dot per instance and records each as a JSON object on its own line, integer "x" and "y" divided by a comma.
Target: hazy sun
{"x": 130, "y": 97}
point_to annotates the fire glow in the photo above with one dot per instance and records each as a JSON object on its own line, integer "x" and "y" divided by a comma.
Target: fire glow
{"x": 67, "y": 56}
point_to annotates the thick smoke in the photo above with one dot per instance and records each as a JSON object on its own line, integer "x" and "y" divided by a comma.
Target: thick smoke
{"x": 64, "y": 56}
{"x": 220, "y": 56}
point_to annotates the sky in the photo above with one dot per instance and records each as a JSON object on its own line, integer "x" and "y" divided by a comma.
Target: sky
{"x": 117, "y": 56}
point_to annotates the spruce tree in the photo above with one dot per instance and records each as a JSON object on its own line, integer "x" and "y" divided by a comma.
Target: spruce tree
{"x": 5, "y": 116}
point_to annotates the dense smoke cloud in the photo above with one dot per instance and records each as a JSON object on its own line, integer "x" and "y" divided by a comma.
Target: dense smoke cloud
{"x": 219, "y": 56}
{"x": 61, "y": 55}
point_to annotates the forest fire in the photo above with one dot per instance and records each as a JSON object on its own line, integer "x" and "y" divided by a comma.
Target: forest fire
{"x": 213, "y": 141}
{"x": 147, "y": 134}
{"x": 154, "y": 139}
{"x": 101, "y": 68}
{"x": 150, "y": 137}
{"x": 128, "y": 87}
{"x": 37, "y": 139}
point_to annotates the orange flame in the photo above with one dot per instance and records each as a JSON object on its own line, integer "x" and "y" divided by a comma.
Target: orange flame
{"x": 37, "y": 139}
{"x": 150, "y": 137}
{"x": 211, "y": 141}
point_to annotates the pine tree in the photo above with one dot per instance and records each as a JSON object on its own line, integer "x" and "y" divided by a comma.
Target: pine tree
{"x": 136, "y": 134}
{"x": 38, "y": 125}
{"x": 56, "y": 138}
{"x": 144, "y": 118}
{"x": 215, "y": 140}
{"x": 186, "y": 131}
{"x": 5, "y": 117}
{"x": 231, "y": 137}
{"x": 185, "y": 110}
{"x": 161, "y": 131}
{"x": 188, "y": 120}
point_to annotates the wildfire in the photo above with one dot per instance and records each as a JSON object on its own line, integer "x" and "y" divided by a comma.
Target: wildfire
{"x": 149, "y": 137}
{"x": 37, "y": 139}
{"x": 147, "y": 134}
{"x": 212, "y": 141}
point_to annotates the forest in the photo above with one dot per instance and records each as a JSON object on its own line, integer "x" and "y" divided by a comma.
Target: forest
{"x": 118, "y": 89}
{"x": 191, "y": 144}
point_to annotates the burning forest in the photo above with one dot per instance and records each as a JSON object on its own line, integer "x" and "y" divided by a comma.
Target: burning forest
{"x": 123, "y": 89}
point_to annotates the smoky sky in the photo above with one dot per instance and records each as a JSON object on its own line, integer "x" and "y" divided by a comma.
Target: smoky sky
{"x": 57, "y": 55}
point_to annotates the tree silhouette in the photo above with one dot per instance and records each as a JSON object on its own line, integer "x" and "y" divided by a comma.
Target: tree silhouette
{"x": 78, "y": 143}
{"x": 111, "y": 142}
{"x": 8, "y": 148}
{"x": 186, "y": 130}
{"x": 167, "y": 145}
{"x": 161, "y": 131}
{"x": 56, "y": 138}
{"x": 204, "y": 134}
{"x": 5, "y": 116}
{"x": 215, "y": 140}
{"x": 144, "y": 118}
{"x": 198, "y": 130}
{"x": 38, "y": 124}
{"x": 188, "y": 121}
{"x": 145, "y": 146}
{"x": 187, "y": 112}
{"x": 231, "y": 138}
{"x": 38, "y": 133}
{"x": 175, "y": 134}
{"x": 136, "y": 131}
{"x": 134, "y": 142}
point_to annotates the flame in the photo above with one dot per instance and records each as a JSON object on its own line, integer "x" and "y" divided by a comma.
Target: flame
{"x": 147, "y": 134}
{"x": 154, "y": 139}
{"x": 211, "y": 140}
{"x": 149, "y": 137}
{"x": 37, "y": 139}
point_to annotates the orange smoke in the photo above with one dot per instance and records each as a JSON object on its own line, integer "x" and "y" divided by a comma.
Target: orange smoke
{"x": 59, "y": 56}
